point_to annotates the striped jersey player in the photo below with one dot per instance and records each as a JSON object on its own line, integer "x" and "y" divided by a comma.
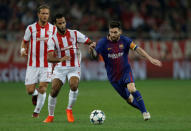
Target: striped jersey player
{"x": 65, "y": 45}
{"x": 35, "y": 38}
{"x": 114, "y": 49}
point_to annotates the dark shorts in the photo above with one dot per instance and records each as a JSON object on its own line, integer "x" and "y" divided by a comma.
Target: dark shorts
{"x": 121, "y": 85}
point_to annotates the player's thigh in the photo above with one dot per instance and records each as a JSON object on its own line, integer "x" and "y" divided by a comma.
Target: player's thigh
{"x": 131, "y": 87}
{"x": 120, "y": 90}
{"x": 32, "y": 74}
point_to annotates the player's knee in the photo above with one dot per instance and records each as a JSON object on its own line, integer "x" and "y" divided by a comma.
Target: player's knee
{"x": 56, "y": 85}
{"x": 73, "y": 86}
{"x": 54, "y": 92}
{"x": 131, "y": 87}
{"x": 74, "y": 83}
{"x": 42, "y": 89}
{"x": 30, "y": 89}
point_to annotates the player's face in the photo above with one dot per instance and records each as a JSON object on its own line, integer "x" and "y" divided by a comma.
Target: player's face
{"x": 43, "y": 15}
{"x": 114, "y": 33}
{"x": 61, "y": 24}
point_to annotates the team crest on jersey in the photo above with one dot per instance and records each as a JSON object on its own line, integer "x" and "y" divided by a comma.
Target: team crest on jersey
{"x": 71, "y": 39}
{"x": 108, "y": 48}
{"x": 121, "y": 46}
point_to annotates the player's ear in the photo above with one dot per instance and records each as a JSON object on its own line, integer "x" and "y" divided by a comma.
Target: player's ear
{"x": 120, "y": 30}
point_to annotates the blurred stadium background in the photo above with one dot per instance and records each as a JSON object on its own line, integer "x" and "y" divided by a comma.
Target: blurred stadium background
{"x": 161, "y": 27}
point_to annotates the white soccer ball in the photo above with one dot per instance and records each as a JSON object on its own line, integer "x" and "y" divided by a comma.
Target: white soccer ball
{"x": 97, "y": 117}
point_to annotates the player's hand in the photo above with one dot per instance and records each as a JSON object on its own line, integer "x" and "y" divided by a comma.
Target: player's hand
{"x": 23, "y": 52}
{"x": 65, "y": 58}
{"x": 156, "y": 62}
{"x": 92, "y": 50}
{"x": 92, "y": 46}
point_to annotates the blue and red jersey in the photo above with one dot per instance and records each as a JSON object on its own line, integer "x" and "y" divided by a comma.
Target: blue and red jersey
{"x": 115, "y": 56}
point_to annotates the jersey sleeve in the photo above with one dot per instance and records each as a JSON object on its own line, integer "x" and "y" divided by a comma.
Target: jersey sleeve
{"x": 81, "y": 38}
{"x": 27, "y": 34}
{"x": 99, "y": 47}
{"x": 130, "y": 43}
{"x": 51, "y": 44}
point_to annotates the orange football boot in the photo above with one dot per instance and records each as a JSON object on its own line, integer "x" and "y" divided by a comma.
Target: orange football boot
{"x": 49, "y": 119}
{"x": 70, "y": 116}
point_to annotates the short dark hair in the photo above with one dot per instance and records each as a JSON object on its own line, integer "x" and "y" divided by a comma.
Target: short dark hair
{"x": 57, "y": 16}
{"x": 115, "y": 24}
{"x": 44, "y": 6}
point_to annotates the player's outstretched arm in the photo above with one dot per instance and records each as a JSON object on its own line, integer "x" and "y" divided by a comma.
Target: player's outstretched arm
{"x": 23, "y": 49}
{"x": 143, "y": 53}
{"x": 54, "y": 59}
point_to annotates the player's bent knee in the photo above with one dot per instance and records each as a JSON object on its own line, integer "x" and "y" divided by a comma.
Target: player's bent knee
{"x": 30, "y": 89}
{"x": 42, "y": 89}
{"x": 74, "y": 83}
{"x": 74, "y": 86}
{"x": 56, "y": 85}
{"x": 131, "y": 87}
{"x": 54, "y": 91}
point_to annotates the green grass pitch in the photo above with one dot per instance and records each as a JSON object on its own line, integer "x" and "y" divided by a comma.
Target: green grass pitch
{"x": 168, "y": 101}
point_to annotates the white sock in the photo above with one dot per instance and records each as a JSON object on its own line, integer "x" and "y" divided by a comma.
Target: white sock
{"x": 35, "y": 92}
{"x": 40, "y": 102}
{"x": 72, "y": 98}
{"x": 51, "y": 105}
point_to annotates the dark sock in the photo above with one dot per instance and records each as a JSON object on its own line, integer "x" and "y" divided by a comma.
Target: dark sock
{"x": 139, "y": 100}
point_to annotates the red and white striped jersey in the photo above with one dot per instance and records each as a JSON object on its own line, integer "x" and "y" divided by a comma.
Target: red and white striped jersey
{"x": 37, "y": 37}
{"x": 67, "y": 45}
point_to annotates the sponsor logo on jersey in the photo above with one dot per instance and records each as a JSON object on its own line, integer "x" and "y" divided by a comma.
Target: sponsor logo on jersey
{"x": 108, "y": 48}
{"x": 42, "y": 39}
{"x": 115, "y": 55}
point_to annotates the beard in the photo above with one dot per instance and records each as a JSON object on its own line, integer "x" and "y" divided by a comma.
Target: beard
{"x": 114, "y": 39}
{"x": 62, "y": 31}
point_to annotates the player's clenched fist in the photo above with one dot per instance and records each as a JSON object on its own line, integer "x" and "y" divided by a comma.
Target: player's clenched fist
{"x": 23, "y": 52}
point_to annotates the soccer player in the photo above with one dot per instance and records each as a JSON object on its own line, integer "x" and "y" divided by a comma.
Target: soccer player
{"x": 65, "y": 44}
{"x": 36, "y": 36}
{"x": 114, "y": 49}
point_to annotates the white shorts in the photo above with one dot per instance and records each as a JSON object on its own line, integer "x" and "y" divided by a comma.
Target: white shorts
{"x": 37, "y": 74}
{"x": 63, "y": 72}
